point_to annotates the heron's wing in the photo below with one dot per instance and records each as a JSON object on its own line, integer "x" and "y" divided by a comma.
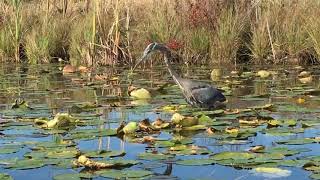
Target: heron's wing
{"x": 206, "y": 94}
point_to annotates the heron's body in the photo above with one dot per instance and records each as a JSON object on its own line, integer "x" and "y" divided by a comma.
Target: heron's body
{"x": 201, "y": 94}
{"x": 196, "y": 93}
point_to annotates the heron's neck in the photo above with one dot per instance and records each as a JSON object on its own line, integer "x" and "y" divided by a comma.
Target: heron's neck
{"x": 173, "y": 73}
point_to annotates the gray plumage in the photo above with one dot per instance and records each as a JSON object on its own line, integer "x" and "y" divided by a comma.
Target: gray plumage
{"x": 196, "y": 93}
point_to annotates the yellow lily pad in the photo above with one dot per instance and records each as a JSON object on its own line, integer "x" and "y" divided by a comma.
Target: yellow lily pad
{"x": 140, "y": 94}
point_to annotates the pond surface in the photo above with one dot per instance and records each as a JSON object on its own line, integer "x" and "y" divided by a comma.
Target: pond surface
{"x": 279, "y": 112}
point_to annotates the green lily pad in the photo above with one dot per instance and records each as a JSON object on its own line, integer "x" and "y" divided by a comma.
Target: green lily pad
{"x": 315, "y": 176}
{"x": 232, "y": 155}
{"x": 122, "y": 162}
{"x": 116, "y": 174}
{"x": 8, "y": 150}
{"x": 292, "y": 162}
{"x": 156, "y": 156}
{"x": 298, "y": 109}
{"x": 297, "y": 141}
{"x": 4, "y": 176}
{"x": 103, "y": 153}
{"x": 269, "y": 157}
{"x": 35, "y": 154}
{"x": 49, "y": 145}
{"x": 26, "y": 164}
{"x": 283, "y": 131}
{"x": 188, "y": 150}
{"x": 164, "y": 143}
{"x": 283, "y": 150}
{"x": 274, "y": 123}
{"x": 87, "y": 134}
{"x": 130, "y": 128}
{"x": 73, "y": 176}
{"x": 62, "y": 153}
{"x": 195, "y": 162}
{"x": 8, "y": 161}
{"x": 206, "y": 120}
{"x": 290, "y": 122}
{"x": 206, "y": 113}
{"x": 195, "y": 128}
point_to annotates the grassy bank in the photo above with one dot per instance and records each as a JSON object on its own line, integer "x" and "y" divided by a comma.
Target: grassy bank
{"x": 107, "y": 32}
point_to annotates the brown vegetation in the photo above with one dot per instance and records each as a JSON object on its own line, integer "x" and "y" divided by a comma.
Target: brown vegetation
{"x": 108, "y": 32}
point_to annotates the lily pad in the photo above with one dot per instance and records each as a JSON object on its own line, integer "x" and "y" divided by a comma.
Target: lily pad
{"x": 196, "y": 162}
{"x": 140, "y": 94}
{"x": 292, "y": 162}
{"x": 155, "y": 156}
{"x": 8, "y": 150}
{"x": 62, "y": 153}
{"x": 232, "y": 155}
{"x": 315, "y": 176}
{"x": 297, "y": 141}
{"x": 4, "y": 176}
{"x": 103, "y": 153}
{"x": 130, "y": 128}
{"x": 72, "y": 176}
{"x": 26, "y": 164}
{"x": 164, "y": 143}
{"x": 87, "y": 134}
{"x": 272, "y": 172}
{"x": 116, "y": 174}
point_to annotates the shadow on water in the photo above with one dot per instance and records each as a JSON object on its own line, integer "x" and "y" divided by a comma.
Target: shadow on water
{"x": 49, "y": 91}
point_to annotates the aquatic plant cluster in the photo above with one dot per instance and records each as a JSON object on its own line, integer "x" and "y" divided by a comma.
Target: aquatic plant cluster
{"x": 59, "y": 124}
{"x": 111, "y": 32}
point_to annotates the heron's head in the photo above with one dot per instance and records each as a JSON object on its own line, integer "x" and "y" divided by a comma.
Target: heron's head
{"x": 152, "y": 47}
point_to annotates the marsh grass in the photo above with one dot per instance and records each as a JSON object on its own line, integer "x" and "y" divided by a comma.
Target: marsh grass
{"x": 226, "y": 40}
{"x": 109, "y": 32}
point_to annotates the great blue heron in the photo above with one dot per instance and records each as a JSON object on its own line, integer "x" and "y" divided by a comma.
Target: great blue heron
{"x": 196, "y": 93}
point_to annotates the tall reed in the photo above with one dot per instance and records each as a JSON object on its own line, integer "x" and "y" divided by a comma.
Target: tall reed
{"x": 16, "y": 31}
{"x": 109, "y": 32}
{"x": 226, "y": 41}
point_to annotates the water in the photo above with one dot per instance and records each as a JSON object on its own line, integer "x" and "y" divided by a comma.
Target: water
{"x": 49, "y": 91}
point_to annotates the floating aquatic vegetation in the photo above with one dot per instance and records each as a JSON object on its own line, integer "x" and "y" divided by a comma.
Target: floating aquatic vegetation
{"x": 263, "y": 73}
{"x": 155, "y": 156}
{"x": 61, "y": 120}
{"x": 22, "y": 105}
{"x": 87, "y": 134}
{"x": 232, "y": 155}
{"x": 130, "y": 128}
{"x": 258, "y": 148}
{"x": 4, "y": 176}
{"x": 103, "y": 153}
{"x": 293, "y": 162}
{"x": 183, "y": 121}
{"x": 160, "y": 124}
{"x": 182, "y": 149}
{"x": 140, "y": 93}
{"x": 125, "y": 174}
{"x": 195, "y": 162}
{"x": 315, "y": 176}
{"x": 83, "y": 107}
{"x": 71, "y": 176}
{"x": 9, "y": 149}
{"x": 299, "y": 141}
{"x": 272, "y": 172}
{"x": 92, "y": 164}
{"x": 254, "y": 115}
{"x": 26, "y": 164}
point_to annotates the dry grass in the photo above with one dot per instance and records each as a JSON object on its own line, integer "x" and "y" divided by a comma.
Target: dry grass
{"x": 109, "y": 32}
